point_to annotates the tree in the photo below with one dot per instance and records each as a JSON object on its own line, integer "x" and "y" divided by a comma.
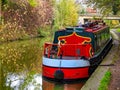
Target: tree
{"x": 65, "y": 13}
{"x": 23, "y": 18}
{"x": 106, "y": 6}
{"x": 3, "y": 2}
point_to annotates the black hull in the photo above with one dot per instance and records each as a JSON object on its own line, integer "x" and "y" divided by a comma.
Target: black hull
{"x": 95, "y": 61}
{"x": 68, "y": 81}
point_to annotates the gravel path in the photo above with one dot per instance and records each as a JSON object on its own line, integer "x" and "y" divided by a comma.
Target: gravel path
{"x": 115, "y": 79}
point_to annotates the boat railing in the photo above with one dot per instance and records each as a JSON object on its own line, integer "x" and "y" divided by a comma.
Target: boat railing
{"x": 55, "y": 51}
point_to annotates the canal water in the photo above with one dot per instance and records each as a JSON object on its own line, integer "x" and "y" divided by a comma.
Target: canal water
{"x": 21, "y": 67}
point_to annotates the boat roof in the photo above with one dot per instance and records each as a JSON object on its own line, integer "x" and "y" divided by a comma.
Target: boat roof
{"x": 90, "y": 27}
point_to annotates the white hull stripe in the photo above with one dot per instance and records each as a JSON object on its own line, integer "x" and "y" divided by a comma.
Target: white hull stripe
{"x": 65, "y": 63}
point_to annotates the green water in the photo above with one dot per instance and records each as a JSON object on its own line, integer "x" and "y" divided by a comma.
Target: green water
{"x": 21, "y": 67}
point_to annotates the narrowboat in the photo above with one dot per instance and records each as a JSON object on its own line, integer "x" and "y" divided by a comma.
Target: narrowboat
{"x": 76, "y": 51}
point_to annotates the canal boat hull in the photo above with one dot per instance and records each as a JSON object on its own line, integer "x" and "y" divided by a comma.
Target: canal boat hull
{"x": 71, "y": 69}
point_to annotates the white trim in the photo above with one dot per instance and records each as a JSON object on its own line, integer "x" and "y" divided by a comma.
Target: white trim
{"x": 65, "y": 63}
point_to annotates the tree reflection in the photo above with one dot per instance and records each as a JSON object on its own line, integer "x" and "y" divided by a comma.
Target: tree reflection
{"x": 20, "y": 82}
{"x": 17, "y": 58}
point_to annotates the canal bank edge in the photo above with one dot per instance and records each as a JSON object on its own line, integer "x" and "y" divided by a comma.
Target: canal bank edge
{"x": 95, "y": 79}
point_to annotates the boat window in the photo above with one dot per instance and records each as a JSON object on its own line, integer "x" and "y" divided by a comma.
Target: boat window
{"x": 98, "y": 41}
{"x": 101, "y": 38}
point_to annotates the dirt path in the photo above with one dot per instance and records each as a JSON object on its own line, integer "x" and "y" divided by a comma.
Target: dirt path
{"x": 115, "y": 79}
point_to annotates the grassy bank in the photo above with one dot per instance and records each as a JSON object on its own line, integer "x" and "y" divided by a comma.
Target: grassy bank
{"x": 105, "y": 81}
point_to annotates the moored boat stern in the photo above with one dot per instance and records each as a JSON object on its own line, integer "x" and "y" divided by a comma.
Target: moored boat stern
{"x": 64, "y": 69}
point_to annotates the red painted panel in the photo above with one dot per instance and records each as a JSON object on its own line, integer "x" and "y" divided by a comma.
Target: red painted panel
{"x": 73, "y": 73}
{"x": 74, "y": 39}
{"x": 72, "y": 50}
{"x": 75, "y": 45}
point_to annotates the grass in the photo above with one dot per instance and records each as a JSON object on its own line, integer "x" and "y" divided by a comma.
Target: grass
{"x": 118, "y": 30}
{"x": 105, "y": 81}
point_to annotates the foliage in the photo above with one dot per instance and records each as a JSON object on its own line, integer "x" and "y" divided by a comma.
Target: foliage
{"x": 118, "y": 30}
{"x": 11, "y": 31}
{"x": 106, "y": 6}
{"x": 44, "y": 31}
{"x": 112, "y": 23}
{"x": 33, "y": 3}
{"x": 23, "y": 18}
{"x": 82, "y": 12}
{"x": 4, "y": 2}
{"x": 66, "y": 13}
{"x": 105, "y": 81}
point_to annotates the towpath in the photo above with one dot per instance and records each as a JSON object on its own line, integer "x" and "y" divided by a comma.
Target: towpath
{"x": 111, "y": 62}
{"x": 115, "y": 79}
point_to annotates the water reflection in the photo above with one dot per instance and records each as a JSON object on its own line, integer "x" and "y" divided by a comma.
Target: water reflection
{"x": 20, "y": 82}
{"x": 19, "y": 62}
{"x": 49, "y": 85}
{"x": 14, "y": 80}
{"x": 20, "y": 67}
